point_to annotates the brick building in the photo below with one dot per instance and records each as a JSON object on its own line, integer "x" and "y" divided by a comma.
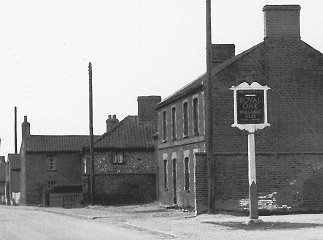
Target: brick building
{"x": 47, "y": 161}
{"x": 13, "y": 178}
{"x": 124, "y": 158}
{"x": 289, "y": 153}
{"x": 3, "y": 169}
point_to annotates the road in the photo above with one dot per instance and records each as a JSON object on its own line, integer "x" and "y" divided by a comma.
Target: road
{"x": 20, "y": 224}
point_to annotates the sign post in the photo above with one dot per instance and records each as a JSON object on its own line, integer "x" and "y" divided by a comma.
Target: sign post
{"x": 250, "y": 114}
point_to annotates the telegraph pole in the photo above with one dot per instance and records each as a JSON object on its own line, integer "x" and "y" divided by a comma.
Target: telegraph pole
{"x": 15, "y": 127}
{"x": 92, "y": 185}
{"x": 208, "y": 110}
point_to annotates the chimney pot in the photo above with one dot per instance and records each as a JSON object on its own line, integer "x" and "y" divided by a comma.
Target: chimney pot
{"x": 111, "y": 122}
{"x": 25, "y": 128}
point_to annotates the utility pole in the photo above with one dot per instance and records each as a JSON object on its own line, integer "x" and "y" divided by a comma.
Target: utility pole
{"x": 92, "y": 185}
{"x": 15, "y": 127}
{"x": 208, "y": 110}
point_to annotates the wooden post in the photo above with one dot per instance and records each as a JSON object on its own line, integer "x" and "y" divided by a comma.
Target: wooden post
{"x": 253, "y": 196}
{"x": 92, "y": 184}
{"x": 208, "y": 110}
{"x": 15, "y": 130}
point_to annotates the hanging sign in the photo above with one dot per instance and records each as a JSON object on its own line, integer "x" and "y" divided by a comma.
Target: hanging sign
{"x": 250, "y": 106}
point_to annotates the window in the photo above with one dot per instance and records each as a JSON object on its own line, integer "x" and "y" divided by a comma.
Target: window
{"x": 165, "y": 174}
{"x": 186, "y": 174}
{"x": 185, "y": 119}
{"x": 50, "y": 184}
{"x": 84, "y": 165}
{"x": 51, "y": 162}
{"x": 117, "y": 158}
{"x": 195, "y": 116}
{"x": 164, "y": 126}
{"x": 173, "y": 122}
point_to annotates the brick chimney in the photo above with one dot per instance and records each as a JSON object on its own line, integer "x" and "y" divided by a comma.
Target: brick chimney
{"x": 147, "y": 107}
{"x": 111, "y": 122}
{"x": 282, "y": 21}
{"x": 222, "y": 52}
{"x": 25, "y": 128}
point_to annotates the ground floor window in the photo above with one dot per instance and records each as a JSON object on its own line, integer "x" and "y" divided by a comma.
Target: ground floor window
{"x": 186, "y": 174}
{"x": 165, "y": 174}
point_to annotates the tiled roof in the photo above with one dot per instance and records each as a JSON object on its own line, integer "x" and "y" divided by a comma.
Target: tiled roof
{"x": 197, "y": 84}
{"x": 14, "y": 161}
{"x": 128, "y": 134}
{"x": 56, "y": 143}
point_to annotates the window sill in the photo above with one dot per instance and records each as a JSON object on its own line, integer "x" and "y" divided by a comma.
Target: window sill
{"x": 165, "y": 189}
{"x": 196, "y": 133}
{"x": 174, "y": 138}
{"x": 51, "y": 170}
{"x": 164, "y": 141}
{"x": 185, "y": 136}
{"x": 187, "y": 191}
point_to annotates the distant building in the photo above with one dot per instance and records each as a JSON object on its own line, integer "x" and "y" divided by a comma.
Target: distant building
{"x": 288, "y": 153}
{"x": 47, "y": 161}
{"x": 3, "y": 166}
{"x": 125, "y": 166}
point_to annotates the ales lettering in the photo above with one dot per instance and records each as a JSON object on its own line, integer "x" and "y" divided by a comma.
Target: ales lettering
{"x": 250, "y": 106}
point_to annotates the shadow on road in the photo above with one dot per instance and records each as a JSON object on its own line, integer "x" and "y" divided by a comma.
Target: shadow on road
{"x": 265, "y": 225}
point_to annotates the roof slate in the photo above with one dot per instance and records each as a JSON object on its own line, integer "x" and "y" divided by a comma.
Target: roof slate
{"x": 130, "y": 133}
{"x": 56, "y": 143}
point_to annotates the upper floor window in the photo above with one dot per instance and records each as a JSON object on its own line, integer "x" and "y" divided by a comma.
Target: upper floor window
{"x": 164, "y": 126}
{"x": 50, "y": 184}
{"x": 117, "y": 158}
{"x": 195, "y": 116}
{"x": 173, "y": 122}
{"x": 51, "y": 163}
{"x": 185, "y": 119}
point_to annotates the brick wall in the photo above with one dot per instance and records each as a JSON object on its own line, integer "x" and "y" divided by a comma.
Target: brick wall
{"x": 293, "y": 71}
{"x": 200, "y": 183}
{"x": 125, "y": 188}
{"x": 68, "y": 173}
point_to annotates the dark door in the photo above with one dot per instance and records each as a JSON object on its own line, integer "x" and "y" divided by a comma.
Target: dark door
{"x": 174, "y": 180}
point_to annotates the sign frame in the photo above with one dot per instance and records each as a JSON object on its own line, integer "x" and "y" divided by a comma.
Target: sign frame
{"x": 252, "y": 87}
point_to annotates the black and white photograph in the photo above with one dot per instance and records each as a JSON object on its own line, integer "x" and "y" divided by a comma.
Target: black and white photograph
{"x": 163, "y": 119}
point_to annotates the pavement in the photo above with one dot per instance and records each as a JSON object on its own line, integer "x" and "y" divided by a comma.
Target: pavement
{"x": 178, "y": 224}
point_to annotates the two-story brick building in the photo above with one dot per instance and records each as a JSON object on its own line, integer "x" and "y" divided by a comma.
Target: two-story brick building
{"x": 125, "y": 168}
{"x": 289, "y": 153}
{"x": 47, "y": 161}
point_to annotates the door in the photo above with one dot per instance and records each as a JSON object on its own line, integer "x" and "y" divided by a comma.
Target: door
{"x": 174, "y": 181}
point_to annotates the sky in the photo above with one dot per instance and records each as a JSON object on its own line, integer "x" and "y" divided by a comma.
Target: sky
{"x": 137, "y": 48}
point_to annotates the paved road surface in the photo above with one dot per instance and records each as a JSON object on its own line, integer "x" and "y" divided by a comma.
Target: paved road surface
{"x": 20, "y": 224}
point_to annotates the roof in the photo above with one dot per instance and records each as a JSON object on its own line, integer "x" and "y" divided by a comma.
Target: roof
{"x": 130, "y": 133}
{"x": 14, "y": 161}
{"x": 56, "y": 143}
{"x": 197, "y": 84}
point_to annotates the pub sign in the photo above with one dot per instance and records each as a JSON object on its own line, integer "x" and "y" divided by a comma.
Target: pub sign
{"x": 250, "y": 106}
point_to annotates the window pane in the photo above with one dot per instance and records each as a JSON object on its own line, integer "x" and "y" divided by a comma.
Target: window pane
{"x": 195, "y": 116}
{"x": 187, "y": 174}
{"x": 173, "y": 123}
{"x": 185, "y": 118}
{"x": 165, "y": 174}
{"x": 164, "y": 125}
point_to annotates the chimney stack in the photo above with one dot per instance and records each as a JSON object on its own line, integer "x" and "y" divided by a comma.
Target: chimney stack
{"x": 282, "y": 21}
{"x": 111, "y": 122}
{"x": 221, "y": 52}
{"x": 2, "y": 159}
{"x": 147, "y": 107}
{"x": 25, "y": 128}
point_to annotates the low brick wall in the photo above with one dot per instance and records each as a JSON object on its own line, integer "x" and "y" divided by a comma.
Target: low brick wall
{"x": 113, "y": 189}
